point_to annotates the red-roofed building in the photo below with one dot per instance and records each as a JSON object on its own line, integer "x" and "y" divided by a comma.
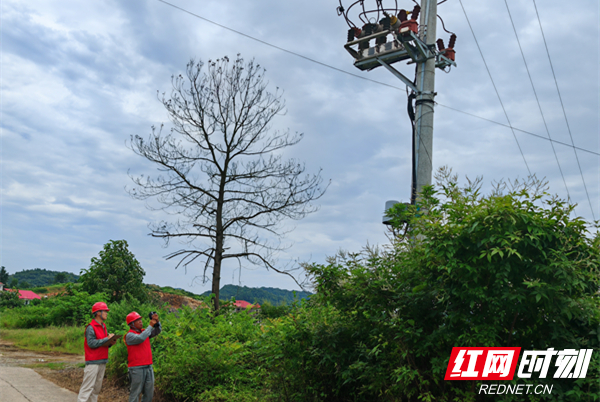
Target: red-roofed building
{"x": 26, "y": 295}
{"x": 242, "y": 305}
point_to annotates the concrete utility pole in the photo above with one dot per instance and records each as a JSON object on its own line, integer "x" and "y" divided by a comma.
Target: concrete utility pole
{"x": 424, "y": 100}
{"x": 397, "y": 38}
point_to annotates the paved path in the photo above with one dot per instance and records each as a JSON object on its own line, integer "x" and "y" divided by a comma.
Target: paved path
{"x": 19, "y": 384}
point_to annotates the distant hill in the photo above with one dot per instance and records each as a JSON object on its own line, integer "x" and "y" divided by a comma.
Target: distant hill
{"x": 42, "y": 277}
{"x": 274, "y": 296}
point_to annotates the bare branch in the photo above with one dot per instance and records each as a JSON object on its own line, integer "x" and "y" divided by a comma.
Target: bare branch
{"x": 220, "y": 172}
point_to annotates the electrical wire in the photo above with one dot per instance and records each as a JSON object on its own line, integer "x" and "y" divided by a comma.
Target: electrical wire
{"x": 277, "y": 47}
{"x": 519, "y": 130}
{"x": 379, "y": 82}
{"x": 563, "y": 108}
{"x": 496, "y": 89}
{"x": 537, "y": 99}
{"x": 444, "y": 26}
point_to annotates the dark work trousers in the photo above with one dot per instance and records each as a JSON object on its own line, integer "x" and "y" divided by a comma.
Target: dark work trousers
{"x": 141, "y": 382}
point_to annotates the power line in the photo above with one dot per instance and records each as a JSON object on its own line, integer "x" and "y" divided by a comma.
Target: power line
{"x": 563, "y": 108}
{"x": 537, "y": 99}
{"x": 494, "y": 85}
{"x": 377, "y": 82}
{"x": 277, "y": 47}
{"x": 519, "y": 130}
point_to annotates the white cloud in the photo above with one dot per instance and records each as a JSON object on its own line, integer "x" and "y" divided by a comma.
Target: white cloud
{"x": 79, "y": 78}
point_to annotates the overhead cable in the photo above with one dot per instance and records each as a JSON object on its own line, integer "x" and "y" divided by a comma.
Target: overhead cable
{"x": 377, "y": 82}
{"x": 494, "y": 85}
{"x": 563, "y": 109}
{"x": 537, "y": 99}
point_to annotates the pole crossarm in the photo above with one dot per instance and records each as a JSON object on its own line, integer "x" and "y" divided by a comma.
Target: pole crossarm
{"x": 409, "y": 83}
{"x": 404, "y": 46}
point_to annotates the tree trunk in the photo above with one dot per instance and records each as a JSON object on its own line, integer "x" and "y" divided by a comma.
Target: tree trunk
{"x": 216, "y": 279}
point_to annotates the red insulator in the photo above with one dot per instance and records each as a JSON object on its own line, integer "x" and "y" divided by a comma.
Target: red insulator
{"x": 450, "y": 53}
{"x": 415, "y": 13}
{"x": 440, "y": 44}
{"x": 402, "y": 16}
{"x": 452, "y": 42}
{"x": 411, "y": 24}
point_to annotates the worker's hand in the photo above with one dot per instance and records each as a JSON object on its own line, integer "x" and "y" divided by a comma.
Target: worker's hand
{"x": 153, "y": 322}
{"x": 155, "y": 317}
{"x": 110, "y": 336}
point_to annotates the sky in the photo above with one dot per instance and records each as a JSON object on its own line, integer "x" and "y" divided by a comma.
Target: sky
{"x": 78, "y": 79}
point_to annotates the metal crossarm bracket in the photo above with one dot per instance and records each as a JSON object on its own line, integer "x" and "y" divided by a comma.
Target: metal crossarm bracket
{"x": 398, "y": 74}
{"x": 404, "y": 46}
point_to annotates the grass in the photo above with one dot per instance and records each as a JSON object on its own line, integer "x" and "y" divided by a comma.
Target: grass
{"x": 56, "y": 288}
{"x": 56, "y": 366}
{"x": 53, "y": 339}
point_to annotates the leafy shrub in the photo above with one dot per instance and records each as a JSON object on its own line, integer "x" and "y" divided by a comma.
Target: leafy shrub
{"x": 202, "y": 356}
{"x": 71, "y": 308}
{"x": 10, "y": 300}
{"x": 503, "y": 270}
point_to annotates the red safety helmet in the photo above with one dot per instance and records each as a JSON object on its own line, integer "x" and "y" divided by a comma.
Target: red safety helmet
{"x": 131, "y": 317}
{"x": 99, "y": 307}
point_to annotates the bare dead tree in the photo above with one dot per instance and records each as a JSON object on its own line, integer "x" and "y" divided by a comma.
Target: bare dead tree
{"x": 222, "y": 174}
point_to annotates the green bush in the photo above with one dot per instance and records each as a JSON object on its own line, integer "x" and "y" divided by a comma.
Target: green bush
{"x": 202, "y": 356}
{"x": 503, "y": 270}
{"x": 10, "y": 300}
{"x": 71, "y": 308}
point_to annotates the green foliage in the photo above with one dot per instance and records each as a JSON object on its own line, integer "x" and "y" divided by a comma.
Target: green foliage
{"x": 10, "y": 300}
{"x": 116, "y": 272}
{"x": 72, "y": 308}
{"x": 174, "y": 291}
{"x": 267, "y": 310}
{"x": 3, "y": 275}
{"x": 49, "y": 339}
{"x": 260, "y": 295}
{"x": 502, "y": 270}
{"x": 40, "y": 277}
{"x": 61, "y": 277}
{"x": 202, "y": 356}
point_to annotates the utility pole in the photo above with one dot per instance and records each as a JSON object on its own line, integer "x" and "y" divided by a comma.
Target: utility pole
{"x": 383, "y": 35}
{"x": 424, "y": 103}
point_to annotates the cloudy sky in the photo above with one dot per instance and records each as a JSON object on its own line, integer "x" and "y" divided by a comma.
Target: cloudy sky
{"x": 78, "y": 78}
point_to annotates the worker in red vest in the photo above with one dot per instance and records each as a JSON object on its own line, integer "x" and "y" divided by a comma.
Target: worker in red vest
{"x": 96, "y": 344}
{"x": 139, "y": 356}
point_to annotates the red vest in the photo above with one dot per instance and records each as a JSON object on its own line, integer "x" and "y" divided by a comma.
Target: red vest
{"x": 140, "y": 354}
{"x": 100, "y": 353}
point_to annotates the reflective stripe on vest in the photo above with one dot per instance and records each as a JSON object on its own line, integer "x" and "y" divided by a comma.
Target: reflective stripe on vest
{"x": 100, "y": 353}
{"x": 140, "y": 354}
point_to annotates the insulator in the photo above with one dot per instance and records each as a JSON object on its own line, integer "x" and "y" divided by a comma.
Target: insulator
{"x": 394, "y": 22}
{"x": 368, "y": 29}
{"x": 415, "y": 13}
{"x": 381, "y": 40}
{"x": 402, "y": 16}
{"x": 440, "y": 44}
{"x": 452, "y": 41}
{"x": 385, "y": 23}
{"x": 363, "y": 45}
{"x": 350, "y": 35}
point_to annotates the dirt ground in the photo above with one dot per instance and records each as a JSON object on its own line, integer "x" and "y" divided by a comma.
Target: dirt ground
{"x": 62, "y": 369}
